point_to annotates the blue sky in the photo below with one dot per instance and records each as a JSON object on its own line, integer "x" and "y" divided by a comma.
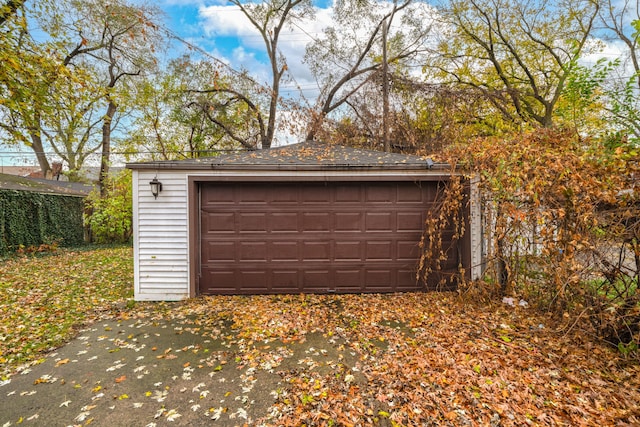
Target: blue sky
{"x": 222, "y": 31}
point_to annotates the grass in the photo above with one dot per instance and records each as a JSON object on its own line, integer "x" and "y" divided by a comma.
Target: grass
{"x": 45, "y": 299}
{"x": 618, "y": 291}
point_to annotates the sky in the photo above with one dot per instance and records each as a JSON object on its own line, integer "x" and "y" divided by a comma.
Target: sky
{"x": 225, "y": 33}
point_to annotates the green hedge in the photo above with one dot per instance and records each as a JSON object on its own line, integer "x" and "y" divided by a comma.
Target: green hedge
{"x": 29, "y": 219}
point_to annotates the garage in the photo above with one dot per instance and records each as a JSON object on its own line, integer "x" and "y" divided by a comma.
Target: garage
{"x": 305, "y": 218}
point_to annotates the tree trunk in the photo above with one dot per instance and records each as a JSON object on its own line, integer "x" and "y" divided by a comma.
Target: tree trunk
{"x": 36, "y": 145}
{"x": 385, "y": 90}
{"x": 106, "y": 147}
{"x": 273, "y": 104}
{"x": 502, "y": 269}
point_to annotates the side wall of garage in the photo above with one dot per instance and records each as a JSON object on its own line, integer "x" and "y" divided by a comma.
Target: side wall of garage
{"x": 161, "y": 247}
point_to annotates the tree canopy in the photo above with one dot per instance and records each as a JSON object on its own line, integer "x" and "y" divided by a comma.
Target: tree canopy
{"x": 74, "y": 75}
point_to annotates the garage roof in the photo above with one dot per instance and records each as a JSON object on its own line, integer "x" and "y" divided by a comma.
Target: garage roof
{"x": 302, "y": 156}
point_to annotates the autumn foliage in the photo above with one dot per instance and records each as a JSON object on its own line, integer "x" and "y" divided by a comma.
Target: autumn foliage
{"x": 561, "y": 221}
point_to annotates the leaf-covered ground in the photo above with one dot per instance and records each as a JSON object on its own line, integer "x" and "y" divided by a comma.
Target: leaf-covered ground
{"x": 427, "y": 359}
{"x": 409, "y": 359}
{"x": 44, "y": 299}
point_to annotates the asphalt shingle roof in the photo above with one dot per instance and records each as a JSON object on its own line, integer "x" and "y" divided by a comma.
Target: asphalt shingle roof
{"x": 12, "y": 182}
{"x": 306, "y": 155}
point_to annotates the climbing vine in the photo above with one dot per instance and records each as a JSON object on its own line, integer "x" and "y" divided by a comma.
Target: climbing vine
{"x": 30, "y": 220}
{"x": 562, "y": 225}
{"x": 444, "y": 228}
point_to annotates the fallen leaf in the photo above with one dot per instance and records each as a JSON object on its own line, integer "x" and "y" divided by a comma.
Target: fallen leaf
{"x": 172, "y": 415}
{"x": 62, "y": 362}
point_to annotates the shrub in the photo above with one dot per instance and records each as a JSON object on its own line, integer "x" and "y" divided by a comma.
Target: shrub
{"x": 109, "y": 218}
{"x": 562, "y": 219}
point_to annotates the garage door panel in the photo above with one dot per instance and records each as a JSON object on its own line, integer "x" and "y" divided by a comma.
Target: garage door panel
{"x": 316, "y": 221}
{"x": 219, "y": 222}
{"x": 220, "y": 251}
{"x": 253, "y": 251}
{"x": 251, "y": 195}
{"x": 252, "y": 280}
{"x": 316, "y": 251}
{"x": 408, "y": 250}
{"x": 379, "y": 250}
{"x": 284, "y": 251}
{"x": 222, "y": 282}
{"x": 378, "y": 279}
{"x": 380, "y": 194}
{"x": 283, "y": 222}
{"x": 290, "y": 237}
{"x": 285, "y": 280}
{"x": 379, "y": 221}
{"x": 317, "y": 278}
{"x": 348, "y": 280}
{"x": 407, "y": 280}
{"x": 348, "y": 221}
{"x": 348, "y": 250}
{"x": 284, "y": 198}
{"x": 225, "y": 196}
{"x": 409, "y": 221}
{"x": 315, "y": 194}
{"x": 348, "y": 194}
{"x": 252, "y": 223}
{"x": 410, "y": 194}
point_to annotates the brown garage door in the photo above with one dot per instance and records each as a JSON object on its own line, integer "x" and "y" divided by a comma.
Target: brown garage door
{"x": 315, "y": 237}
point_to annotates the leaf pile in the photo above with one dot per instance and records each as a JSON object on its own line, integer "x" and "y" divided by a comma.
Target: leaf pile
{"x": 44, "y": 300}
{"x": 421, "y": 359}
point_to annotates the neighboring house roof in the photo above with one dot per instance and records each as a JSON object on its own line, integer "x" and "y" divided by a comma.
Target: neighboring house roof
{"x": 89, "y": 173}
{"x": 19, "y": 170}
{"x": 302, "y": 156}
{"x": 38, "y": 185}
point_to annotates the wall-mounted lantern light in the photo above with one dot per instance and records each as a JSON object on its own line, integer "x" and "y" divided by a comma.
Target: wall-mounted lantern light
{"x": 156, "y": 187}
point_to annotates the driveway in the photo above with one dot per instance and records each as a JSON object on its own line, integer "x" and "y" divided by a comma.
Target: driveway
{"x": 410, "y": 359}
{"x": 153, "y": 370}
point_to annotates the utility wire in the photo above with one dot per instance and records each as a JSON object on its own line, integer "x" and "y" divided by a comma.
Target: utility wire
{"x": 218, "y": 61}
{"x": 238, "y": 73}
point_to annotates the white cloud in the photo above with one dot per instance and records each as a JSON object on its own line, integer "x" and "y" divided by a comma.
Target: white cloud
{"x": 228, "y": 21}
{"x": 226, "y": 25}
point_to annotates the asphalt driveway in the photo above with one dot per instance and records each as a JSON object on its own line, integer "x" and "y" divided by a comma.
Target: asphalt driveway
{"x": 152, "y": 372}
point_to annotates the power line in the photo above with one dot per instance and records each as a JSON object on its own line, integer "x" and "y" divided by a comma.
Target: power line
{"x": 220, "y": 62}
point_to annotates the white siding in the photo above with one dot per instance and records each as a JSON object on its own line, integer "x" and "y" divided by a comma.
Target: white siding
{"x": 161, "y": 243}
{"x": 475, "y": 219}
